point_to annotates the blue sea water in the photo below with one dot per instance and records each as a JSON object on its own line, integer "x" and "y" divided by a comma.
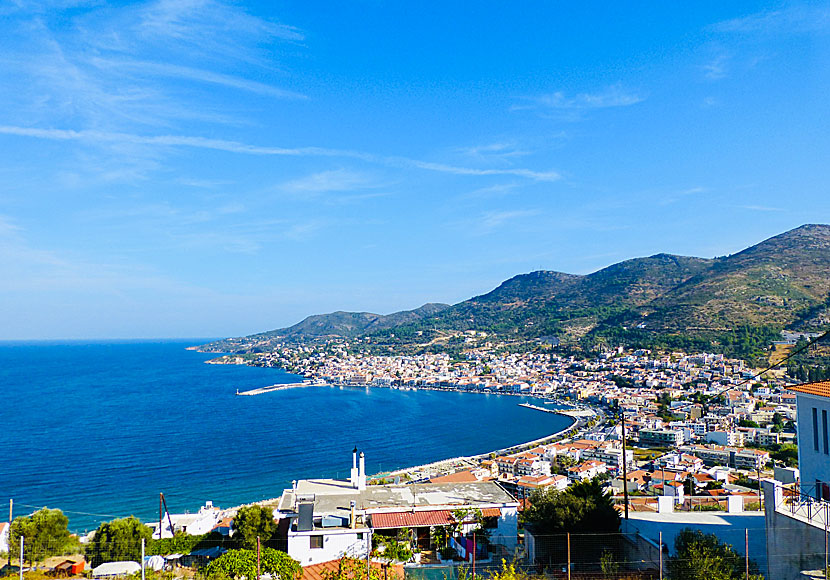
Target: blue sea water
{"x": 99, "y": 429}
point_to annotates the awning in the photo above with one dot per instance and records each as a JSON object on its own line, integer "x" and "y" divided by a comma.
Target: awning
{"x": 412, "y": 519}
{"x": 491, "y": 512}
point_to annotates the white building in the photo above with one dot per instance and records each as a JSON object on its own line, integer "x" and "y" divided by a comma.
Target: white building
{"x": 328, "y": 518}
{"x": 196, "y": 524}
{"x": 813, "y": 408}
{"x": 4, "y": 536}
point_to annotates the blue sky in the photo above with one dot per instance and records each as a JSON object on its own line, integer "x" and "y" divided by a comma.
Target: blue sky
{"x": 182, "y": 168}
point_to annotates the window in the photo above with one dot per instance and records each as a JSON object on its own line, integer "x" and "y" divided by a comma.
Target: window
{"x": 824, "y": 429}
{"x": 315, "y": 542}
{"x": 815, "y": 428}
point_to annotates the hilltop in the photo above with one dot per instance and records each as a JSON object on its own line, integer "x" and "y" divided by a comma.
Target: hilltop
{"x": 661, "y": 300}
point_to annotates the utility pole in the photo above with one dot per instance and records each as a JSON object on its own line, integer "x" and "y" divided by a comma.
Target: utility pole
{"x": 11, "y": 506}
{"x": 758, "y": 471}
{"x": 746, "y": 551}
{"x": 474, "y": 556}
{"x": 21, "y": 557}
{"x": 660, "y": 545}
{"x": 142, "y": 558}
{"x": 369, "y": 555}
{"x": 257, "y": 558}
{"x": 569, "y": 556}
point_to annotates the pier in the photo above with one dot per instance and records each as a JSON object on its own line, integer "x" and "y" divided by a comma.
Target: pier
{"x": 569, "y": 412}
{"x": 279, "y": 387}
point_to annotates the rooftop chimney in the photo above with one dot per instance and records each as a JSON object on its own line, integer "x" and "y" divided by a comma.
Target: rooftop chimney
{"x": 361, "y": 476}
{"x": 353, "y": 478}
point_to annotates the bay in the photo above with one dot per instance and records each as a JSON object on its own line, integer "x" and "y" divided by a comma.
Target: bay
{"x": 99, "y": 429}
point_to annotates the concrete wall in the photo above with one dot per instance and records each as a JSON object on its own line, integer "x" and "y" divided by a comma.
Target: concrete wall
{"x": 507, "y": 530}
{"x": 729, "y": 528}
{"x": 792, "y": 544}
{"x": 336, "y": 544}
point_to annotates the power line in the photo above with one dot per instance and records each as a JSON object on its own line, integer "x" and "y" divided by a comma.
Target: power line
{"x": 769, "y": 368}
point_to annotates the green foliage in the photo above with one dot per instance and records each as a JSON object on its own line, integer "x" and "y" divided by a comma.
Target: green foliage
{"x": 581, "y": 508}
{"x": 117, "y": 540}
{"x": 239, "y": 563}
{"x": 748, "y": 423}
{"x": 393, "y": 548}
{"x": 702, "y": 556}
{"x": 44, "y": 534}
{"x": 510, "y": 572}
{"x": 253, "y": 521}
{"x": 608, "y": 564}
{"x": 183, "y": 543}
{"x": 355, "y": 569}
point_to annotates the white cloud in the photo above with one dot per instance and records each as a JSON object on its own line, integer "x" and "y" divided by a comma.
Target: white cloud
{"x": 196, "y": 74}
{"x": 717, "y": 68}
{"x": 795, "y": 18}
{"x": 336, "y": 180}
{"x": 613, "y": 96}
{"x": 97, "y": 137}
{"x": 493, "y": 219}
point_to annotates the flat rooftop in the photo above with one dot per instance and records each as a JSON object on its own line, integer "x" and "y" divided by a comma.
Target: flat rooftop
{"x": 333, "y": 497}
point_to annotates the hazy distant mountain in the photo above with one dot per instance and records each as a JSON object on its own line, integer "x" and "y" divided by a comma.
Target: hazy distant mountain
{"x": 781, "y": 282}
{"x": 336, "y": 324}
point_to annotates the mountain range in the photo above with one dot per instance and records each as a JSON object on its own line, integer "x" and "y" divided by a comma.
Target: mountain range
{"x": 782, "y": 282}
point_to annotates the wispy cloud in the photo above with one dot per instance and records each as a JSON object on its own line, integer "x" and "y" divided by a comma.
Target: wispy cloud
{"x": 97, "y": 137}
{"x": 490, "y": 151}
{"x": 456, "y": 170}
{"x": 140, "y": 64}
{"x": 196, "y": 74}
{"x": 795, "y": 18}
{"x": 763, "y": 208}
{"x": 337, "y": 180}
{"x": 717, "y": 68}
{"x": 493, "y": 219}
{"x": 498, "y": 190}
{"x": 613, "y": 96}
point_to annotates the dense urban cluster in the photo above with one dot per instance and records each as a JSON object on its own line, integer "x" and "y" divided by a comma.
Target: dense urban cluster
{"x": 700, "y": 427}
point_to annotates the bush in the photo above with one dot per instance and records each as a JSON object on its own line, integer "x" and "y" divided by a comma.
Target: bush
{"x": 448, "y": 553}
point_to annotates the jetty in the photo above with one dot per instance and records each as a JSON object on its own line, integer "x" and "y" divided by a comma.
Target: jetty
{"x": 280, "y": 387}
{"x": 569, "y": 412}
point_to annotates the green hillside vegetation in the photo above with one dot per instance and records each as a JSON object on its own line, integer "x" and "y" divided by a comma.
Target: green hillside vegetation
{"x": 736, "y": 304}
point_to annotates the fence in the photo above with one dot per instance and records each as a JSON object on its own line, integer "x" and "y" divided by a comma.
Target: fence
{"x": 650, "y": 554}
{"x": 649, "y": 503}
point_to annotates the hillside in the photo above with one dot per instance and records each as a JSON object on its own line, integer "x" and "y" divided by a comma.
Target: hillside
{"x": 336, "y": 324}
{"x": 735, "y": 302}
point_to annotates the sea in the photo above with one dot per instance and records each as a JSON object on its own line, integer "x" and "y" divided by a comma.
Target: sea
{"x": 99, "y": 429}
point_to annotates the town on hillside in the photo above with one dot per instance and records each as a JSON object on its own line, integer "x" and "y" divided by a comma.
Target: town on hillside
{"x": 676, "y": 443}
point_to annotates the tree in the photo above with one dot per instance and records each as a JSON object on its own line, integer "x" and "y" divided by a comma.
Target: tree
{"x": 117, "y": 541}
{"x": 583, "y": 508}
{"x": 44, "y": 534}
{"x": 242, "y": 563}
{"x": 702, "y": 556}
{"x": 253, "y": 521}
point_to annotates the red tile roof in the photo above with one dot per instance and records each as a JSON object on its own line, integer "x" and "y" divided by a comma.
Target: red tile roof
{"x": 820, "y": 388}
{"x": 412, "y": 519}
{"x": 458, "y": 477}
